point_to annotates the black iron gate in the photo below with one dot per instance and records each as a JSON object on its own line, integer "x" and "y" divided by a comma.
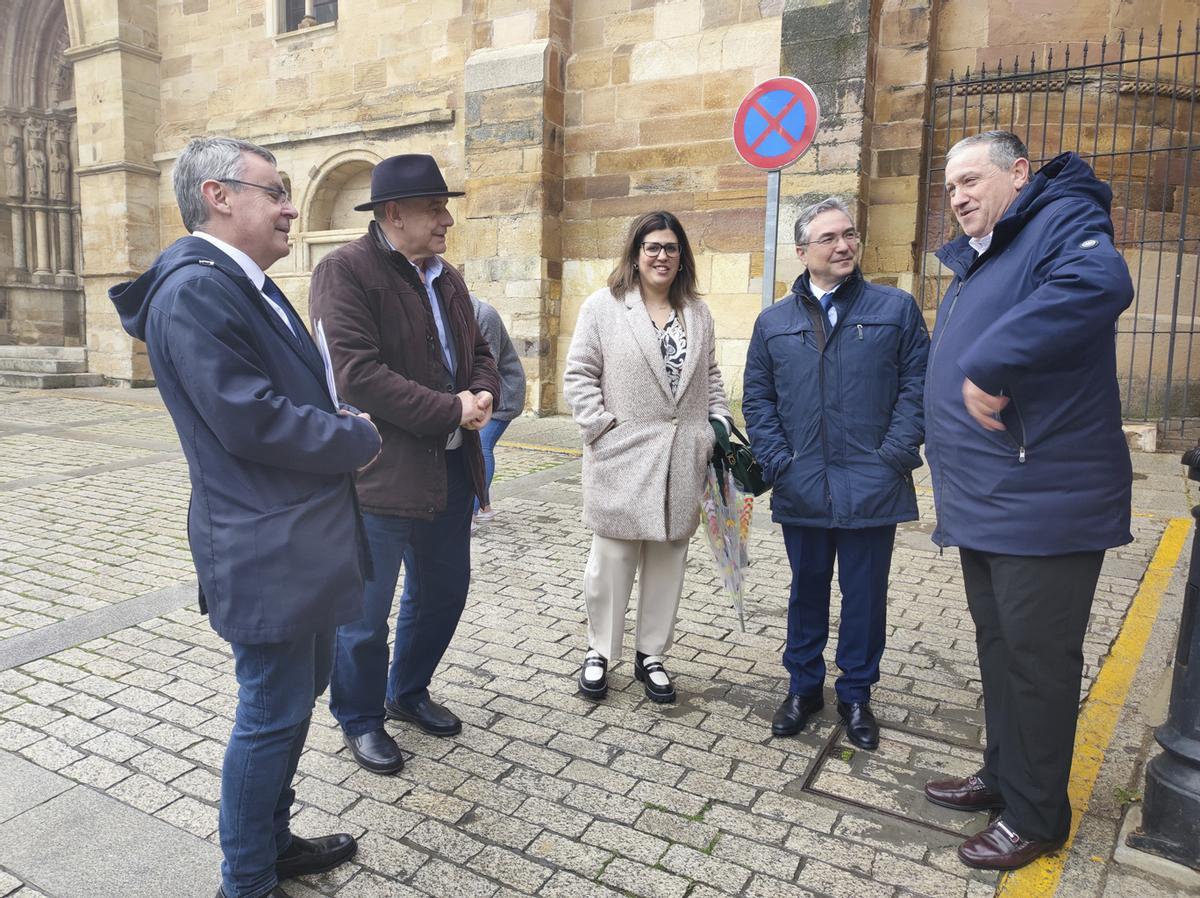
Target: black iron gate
{"x": 1129, "y": 109}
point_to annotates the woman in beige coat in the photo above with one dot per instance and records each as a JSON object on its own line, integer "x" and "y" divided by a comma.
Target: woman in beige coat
{"x": 642, "y": 382}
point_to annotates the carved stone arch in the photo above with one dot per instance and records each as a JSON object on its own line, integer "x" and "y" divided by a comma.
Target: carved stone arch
{"x": 327, "y": 219}
{"x": 41, "y": 296}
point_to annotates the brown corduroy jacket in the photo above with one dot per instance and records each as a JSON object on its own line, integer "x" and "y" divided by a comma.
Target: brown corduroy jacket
{"x": 387, "y": 361}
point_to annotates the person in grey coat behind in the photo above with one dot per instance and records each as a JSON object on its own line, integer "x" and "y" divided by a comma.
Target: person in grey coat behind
{"x": 509, "y": 404}
{"x": 642, "y": 382}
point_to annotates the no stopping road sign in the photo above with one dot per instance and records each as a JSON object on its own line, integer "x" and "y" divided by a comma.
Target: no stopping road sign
{"x": 776, "y": 123}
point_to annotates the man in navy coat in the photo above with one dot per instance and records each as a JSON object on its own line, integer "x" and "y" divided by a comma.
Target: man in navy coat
{"x": 1031, "y": 474}
{"x": 832, "y": 399}
{"x": 273, "y": 522}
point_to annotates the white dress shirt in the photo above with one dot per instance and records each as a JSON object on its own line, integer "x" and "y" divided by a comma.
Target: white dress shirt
{"x": 981, "y": 244}
{"x": 819, "y": 294}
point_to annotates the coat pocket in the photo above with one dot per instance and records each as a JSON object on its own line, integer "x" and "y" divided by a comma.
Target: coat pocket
{"x": 301, "y": 559}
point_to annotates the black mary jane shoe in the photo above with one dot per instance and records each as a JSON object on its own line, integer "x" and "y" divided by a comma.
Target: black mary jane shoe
{"x": 591, "y": 687}
{"x": 643, "y": 667}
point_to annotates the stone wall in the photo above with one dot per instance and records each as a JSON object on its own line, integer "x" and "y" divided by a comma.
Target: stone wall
{"x": 562, "y": 120}
{"x": 651, "y": 90}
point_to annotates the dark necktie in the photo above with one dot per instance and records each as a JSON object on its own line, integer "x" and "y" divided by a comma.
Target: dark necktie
{"x": 272, "y": 291}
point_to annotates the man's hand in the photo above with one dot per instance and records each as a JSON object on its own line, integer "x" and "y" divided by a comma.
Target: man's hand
{"x": 347, "y": 413}
{"x": 484, "y": 402}
{"x": 983, "y": 407}
{"x": 470, "y": 410}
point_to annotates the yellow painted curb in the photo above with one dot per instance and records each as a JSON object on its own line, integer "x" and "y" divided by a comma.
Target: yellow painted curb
{"x": 1098, "y": 716}
{"x": 535, "y": 447}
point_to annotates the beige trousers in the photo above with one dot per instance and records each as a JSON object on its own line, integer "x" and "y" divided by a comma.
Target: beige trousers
{"x": 608, "y": 582}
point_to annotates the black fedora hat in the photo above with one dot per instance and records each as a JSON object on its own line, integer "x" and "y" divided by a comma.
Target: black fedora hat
{"x": 405, "y": 176}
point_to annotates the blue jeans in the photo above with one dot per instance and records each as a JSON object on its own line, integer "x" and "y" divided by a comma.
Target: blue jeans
{"x": 278, "y": 683}
{"x": 864, "y": 559}
{"x": 489, "y": 437}
{"x": 437, "y": 558}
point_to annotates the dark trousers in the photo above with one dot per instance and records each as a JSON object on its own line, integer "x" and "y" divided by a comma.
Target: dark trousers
{"x": 864, "y": 559}
{"x": 277, "y": 686}
{"x": 1031, "y": 614}
{"x": 437, "y": 556}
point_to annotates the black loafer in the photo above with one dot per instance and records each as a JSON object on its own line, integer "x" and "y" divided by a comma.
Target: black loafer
{"x": 861, "y": 728}
{"x": 428, "y": 715}
{"x": 643, "y": 667}
{"x": 793, "y": 714}
{"x": 304, "y": 857}
{"x": 593, "y": 688}
{"x": 376, "y": 751}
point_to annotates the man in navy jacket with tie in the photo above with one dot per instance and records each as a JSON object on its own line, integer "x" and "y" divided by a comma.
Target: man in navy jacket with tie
{"x": 273, "y": 522}
{"x": 832, "y": 399}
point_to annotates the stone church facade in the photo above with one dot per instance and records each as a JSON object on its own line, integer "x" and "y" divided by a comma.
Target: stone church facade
{"x": 562, "y": 119}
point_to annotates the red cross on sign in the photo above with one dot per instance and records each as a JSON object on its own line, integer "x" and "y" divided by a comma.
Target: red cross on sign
{"x": 776, "y": 123}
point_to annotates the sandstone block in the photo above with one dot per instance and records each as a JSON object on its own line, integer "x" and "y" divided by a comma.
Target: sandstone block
{"x": 515, "y": 29}
{"x": 895, "y": 223}
{"x": 901, "y": 65}
{"x": 744, "y": 43}
{"x": 715, "y": 125}
{"x": 725, "y": 90}
{"x": 885, "y": 191}
{"x": 672, "y": 58}
{"x": 664, "y": 97}
{"x": 730, "y": 273}
{"x": 589, "y": 69}
{"x": 675, "y": 19}
{"x": 629, "y": 28}
{"x": 495, "y": 68}
{"x": 697, "y": 154}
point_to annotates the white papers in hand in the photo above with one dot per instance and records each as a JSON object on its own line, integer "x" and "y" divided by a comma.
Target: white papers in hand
{"x": 323, "y": 345}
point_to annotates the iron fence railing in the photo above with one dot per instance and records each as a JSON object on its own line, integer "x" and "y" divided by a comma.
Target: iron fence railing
{"x": 1130, "y": 111}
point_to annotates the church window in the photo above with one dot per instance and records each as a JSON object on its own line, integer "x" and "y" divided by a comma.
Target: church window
{"x": 300, "y": 14}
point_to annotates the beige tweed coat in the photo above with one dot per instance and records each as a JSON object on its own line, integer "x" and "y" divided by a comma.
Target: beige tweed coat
{"x": 645, "y": 451}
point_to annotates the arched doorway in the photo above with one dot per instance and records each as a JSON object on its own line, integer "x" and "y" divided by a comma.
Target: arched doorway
{"x": 41, "y": 296}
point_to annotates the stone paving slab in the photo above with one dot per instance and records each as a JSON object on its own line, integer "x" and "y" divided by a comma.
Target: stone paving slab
{"x": 82, "y": 844}
{"x": 24, "y": 785}
{"x": 543, "y": 793}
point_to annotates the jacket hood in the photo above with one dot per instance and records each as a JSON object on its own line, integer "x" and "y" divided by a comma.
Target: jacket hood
{"x": 1065, "y": 176}
{"x": 133, "y": 298}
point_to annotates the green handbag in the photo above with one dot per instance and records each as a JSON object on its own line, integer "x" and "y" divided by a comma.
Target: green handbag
{"x": 733, "y": 454}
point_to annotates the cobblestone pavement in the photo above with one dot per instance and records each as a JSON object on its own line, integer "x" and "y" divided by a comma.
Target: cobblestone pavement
{"x": 114, "y": 682}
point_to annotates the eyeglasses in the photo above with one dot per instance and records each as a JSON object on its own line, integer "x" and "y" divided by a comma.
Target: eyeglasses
{"x": 278, "y": 194}
{"x": 850, "y": 236}
{"x": 653, "y": 249}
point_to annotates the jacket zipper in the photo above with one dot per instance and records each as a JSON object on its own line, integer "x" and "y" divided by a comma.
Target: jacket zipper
{"x": 821, "y": 393}
{"x": 937, "y": 510}
{"x": 1021, "y": 421}
{"x": 859, "y": 326}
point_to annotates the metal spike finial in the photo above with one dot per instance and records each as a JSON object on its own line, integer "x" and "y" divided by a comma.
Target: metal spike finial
{"x": 1085, "y": 52}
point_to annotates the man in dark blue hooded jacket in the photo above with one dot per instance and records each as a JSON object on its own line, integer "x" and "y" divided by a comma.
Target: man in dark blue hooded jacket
{"x": 273, "y": 522}
{"x": 1031, "y": 473}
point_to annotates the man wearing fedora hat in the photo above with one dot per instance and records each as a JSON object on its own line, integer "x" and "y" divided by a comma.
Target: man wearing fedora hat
{"x": 407, "y": 350}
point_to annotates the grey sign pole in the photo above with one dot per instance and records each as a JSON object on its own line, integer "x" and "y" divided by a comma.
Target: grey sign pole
{"x": 771, "y": 239}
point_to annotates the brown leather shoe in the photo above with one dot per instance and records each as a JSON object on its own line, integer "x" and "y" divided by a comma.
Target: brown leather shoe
{"x": 1000, "y": 848}
{"x": 964, "y": 794}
